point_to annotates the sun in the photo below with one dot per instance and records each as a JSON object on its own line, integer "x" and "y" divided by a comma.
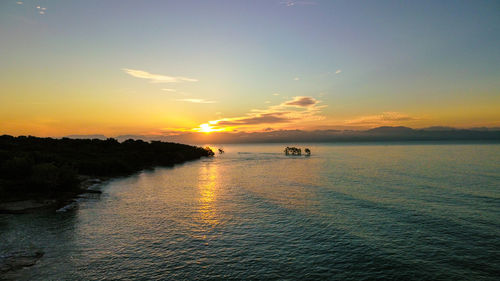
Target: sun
{"x": 206, "y": 128}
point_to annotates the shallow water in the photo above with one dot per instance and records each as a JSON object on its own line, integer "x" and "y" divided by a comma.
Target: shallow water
{"x": 348, "y": 212}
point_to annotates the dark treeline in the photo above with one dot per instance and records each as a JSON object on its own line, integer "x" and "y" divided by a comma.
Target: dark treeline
{"x": 50, "y": 167}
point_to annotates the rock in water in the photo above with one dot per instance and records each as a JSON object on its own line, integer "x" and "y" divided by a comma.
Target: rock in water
{"x": 17, "y": 260}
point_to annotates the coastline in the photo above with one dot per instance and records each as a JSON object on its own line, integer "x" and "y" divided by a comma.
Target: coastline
{"x": 66, "y": 201}
{"x": 30, "y": 205}
{"x": 47, "y": 173}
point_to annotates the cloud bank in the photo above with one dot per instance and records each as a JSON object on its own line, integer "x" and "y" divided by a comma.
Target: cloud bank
{"x": 299, "y": 109}
{"x": 381, "y": 119}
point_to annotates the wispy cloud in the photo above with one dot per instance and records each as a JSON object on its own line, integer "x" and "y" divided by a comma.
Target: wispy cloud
{"x": 276, "y": 94}
{"x": 41, "y": 10}
{"x": 265, "y": 118}
{"x": 386, "y": 118}
{"x": 291, "y": 3}
{"x": 296, "y": 78}
{"x": 19, "y": 3}
{"x": 169, "y": 90}
{"x": 197, "y": 100}
{"x": 302, "y": 101}
{"x": 157, "y": 78}
{"x": 338, "y": 71}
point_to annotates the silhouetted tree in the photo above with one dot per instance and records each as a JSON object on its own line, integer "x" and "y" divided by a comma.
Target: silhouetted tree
{"x": 293, "y": 151}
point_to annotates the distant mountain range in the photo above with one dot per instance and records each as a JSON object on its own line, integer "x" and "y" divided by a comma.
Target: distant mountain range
{"x": 385, "y": 133}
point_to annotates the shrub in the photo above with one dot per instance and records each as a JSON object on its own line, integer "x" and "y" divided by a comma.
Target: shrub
{"x": 18, "y": 167}
{"x": 45, "y": 176}
{"x": 67, "y": 178}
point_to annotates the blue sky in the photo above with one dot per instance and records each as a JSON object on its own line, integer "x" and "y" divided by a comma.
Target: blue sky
{"x": 415, "y": 63}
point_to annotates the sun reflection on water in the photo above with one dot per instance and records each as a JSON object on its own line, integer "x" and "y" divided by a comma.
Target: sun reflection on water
{"x": 208, "y": 192}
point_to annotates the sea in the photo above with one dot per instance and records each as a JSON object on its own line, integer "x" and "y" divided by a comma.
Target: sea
{"x": 350, "y": 211}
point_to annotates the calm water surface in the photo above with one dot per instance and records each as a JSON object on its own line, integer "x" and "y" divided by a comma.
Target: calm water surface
{"x": 349, "y": 212}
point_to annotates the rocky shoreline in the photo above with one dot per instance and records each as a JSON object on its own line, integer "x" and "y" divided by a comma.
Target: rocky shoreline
{"x": 14, "y": 261}
{"x": 63, "y": 203}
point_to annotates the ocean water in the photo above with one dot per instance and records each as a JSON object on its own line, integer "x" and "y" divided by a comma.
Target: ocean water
{"x": 348, "y": 212}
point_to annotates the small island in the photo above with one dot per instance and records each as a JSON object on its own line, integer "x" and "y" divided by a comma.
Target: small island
{"x": 40, "y": 172}
{"x": 294, "y": 151}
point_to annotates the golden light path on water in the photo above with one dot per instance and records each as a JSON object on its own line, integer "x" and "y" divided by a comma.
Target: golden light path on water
{"x": 208, "y": 192}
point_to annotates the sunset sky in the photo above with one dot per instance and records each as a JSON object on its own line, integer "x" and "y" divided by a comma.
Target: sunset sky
{"x": 159, "y": 67}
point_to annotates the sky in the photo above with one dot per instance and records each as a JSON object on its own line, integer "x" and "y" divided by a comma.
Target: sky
{"x": 116, "y": 67}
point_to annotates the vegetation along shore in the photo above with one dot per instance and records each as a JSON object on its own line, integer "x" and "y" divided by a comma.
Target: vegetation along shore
{"x": 36, "y": 172}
